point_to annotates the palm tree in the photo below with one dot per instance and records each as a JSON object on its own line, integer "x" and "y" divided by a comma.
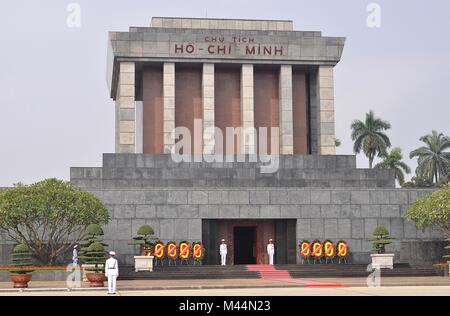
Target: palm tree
{"x": 433, "y": 160}
{"x": 393, "y": 160}
{"x": 337, "y": 142}
{"x": 368, "y": 136}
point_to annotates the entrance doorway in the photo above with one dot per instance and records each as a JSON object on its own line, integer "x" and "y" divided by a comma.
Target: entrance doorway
{"x": 247, "y": 240}
{"x": 245, "y": 245}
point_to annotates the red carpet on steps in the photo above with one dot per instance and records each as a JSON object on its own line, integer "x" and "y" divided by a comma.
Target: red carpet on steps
{"x": 267, "y": 271}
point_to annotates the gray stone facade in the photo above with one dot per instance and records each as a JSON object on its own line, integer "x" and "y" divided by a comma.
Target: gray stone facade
{"x": 174, "y": 199}
{"x": 322, "y": 208}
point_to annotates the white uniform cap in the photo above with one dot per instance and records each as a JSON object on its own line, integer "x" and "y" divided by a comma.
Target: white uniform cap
{"x": 223, "y": 240}
{"x": 270, "y": 239}
{"x": 112, "y": 253}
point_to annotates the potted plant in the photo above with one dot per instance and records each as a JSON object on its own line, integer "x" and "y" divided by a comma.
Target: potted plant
{"x": 95, "y": 257}
{"x": 92, "y": 234}
{"x": 380, "y": 240}
{"x": 21, "y": 266}
{"x": 441, "y": 269}
{"x": 447, "y": 257}
{"x": 144, "y": 237}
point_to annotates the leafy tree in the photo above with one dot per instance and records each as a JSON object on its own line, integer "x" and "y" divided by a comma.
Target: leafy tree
{"x": 380, "y": 239}
{"x": 369, "y": 136}
{"x": 49, "y": 217}
{"x": 337, "y": 142}
{"x": 433, "y": 159}
{"x": 432, "y": 211}
{"x": 418, "y": 182}
{"x": 394, "y": 160}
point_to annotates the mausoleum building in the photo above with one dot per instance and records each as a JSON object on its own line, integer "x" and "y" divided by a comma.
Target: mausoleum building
{"x": 248, "y": 74}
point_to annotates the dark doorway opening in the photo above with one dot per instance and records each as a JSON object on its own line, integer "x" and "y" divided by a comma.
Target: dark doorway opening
{"x": 245, "y": 245}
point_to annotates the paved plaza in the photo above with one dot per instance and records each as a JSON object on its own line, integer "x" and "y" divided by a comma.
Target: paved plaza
{"x": 247, "y": 287}
{"x": 268, "y": 291}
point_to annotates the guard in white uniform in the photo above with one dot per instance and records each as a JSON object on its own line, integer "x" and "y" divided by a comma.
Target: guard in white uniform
{"x": 112, "y": 272}
{"x": 223, "y": 252}
{"x": 75, "y": 255}
{"x": 270, "y": 251}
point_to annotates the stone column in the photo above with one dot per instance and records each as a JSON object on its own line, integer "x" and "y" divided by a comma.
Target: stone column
{"x": 139, "y": 127}
{"x": 125, "y": 109}
{"x": 325, "y": 113}
{"x": 285, "y": 108}
{"x": 247, "y": 108}
{"x": 169, "y": 107}
{"x": 208, "y": 109}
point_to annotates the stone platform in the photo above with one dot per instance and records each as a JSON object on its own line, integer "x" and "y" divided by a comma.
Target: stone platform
{"x": 323, "y": 197}
{"x": 272, "y": 272}
{"x": 327, "y": 196}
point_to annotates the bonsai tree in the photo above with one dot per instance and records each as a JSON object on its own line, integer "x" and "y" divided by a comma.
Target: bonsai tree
{"x": 144, "y": 238}
{"x": 95, "y": 256}
{"x": 447, "y": 257}
{"x": 21, "y": 260}
{"x": 49, "y": 217}
{"x": 93, "y": 234}
{"x": 381, "y": 239}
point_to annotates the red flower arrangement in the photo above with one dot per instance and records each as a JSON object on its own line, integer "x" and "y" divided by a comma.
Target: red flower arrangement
{"x": 185, "y": 250}
{"x": 172, "y": 250}
{"x": 305, "y": 249}
{"x": 198, "y": 251}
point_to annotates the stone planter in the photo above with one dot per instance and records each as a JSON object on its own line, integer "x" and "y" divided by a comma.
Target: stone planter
{"x": 143, "y": 263}
{"x": 20, "y": 280}
{"x": 383, "y": 260}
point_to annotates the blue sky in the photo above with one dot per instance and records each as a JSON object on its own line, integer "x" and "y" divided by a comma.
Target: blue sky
{"x": 55, "y": 111}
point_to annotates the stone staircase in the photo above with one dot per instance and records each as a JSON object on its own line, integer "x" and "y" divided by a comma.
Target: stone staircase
{"x": 279, "y": 272}
{"x": 270, "y": 272}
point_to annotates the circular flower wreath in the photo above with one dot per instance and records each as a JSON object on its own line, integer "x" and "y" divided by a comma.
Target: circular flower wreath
{"x": 342, "y": 249}
{"x": 150, "y": 249}
{"x": 316, "y": 249}
{"x": 329, "y": 249}
{"x": 172, "y": 250}
{"x": 184, "y": 250}
{"x": 198, "y": 251}
{"x": 159, "y": 250}
{"x": 305, "y": 248}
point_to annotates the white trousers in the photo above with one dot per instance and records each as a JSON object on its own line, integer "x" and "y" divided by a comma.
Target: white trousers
{"x": 271, "y": 258}
{"x": 224, "y": 259}
{"x": 112, "y": 283}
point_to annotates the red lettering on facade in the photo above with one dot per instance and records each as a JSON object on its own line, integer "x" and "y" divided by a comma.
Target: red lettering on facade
{"x": 250, "y": 51}
{"x": 179, "y": 48}
{"x": 279, "y": 51}
{"x": 267, "y": 50}
{"x": 190, "y": 48}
